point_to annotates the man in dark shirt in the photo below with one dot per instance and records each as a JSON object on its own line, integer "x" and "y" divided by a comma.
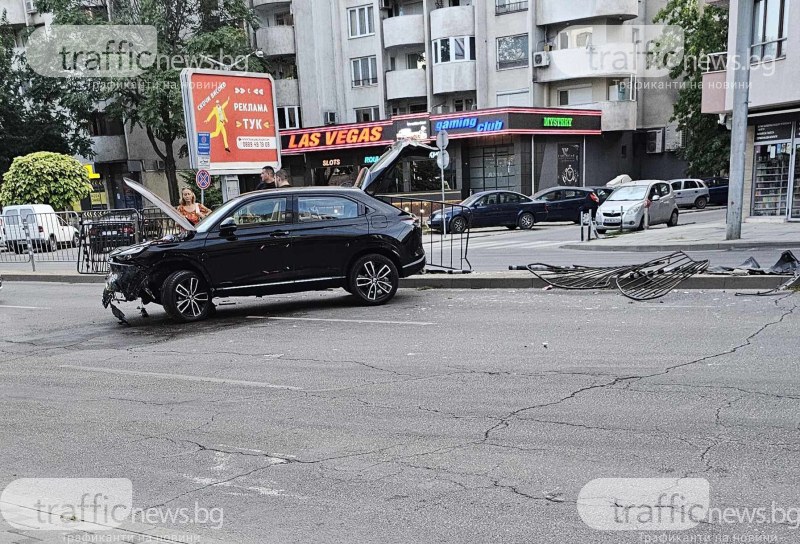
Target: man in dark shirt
{"x": 267, "y": 179}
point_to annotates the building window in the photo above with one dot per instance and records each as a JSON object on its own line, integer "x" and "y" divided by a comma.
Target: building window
{"x": 513, "y": 98}
{"x": 368, "y": 115}
{"x": 365, "y": 71}
{"x": 453, "y": 49}
{"x": 361, "y": 21}
{"x": 415, "y": 61}
{"x": 418, "y": 108}
{"x": 492, "y": 167}
{"x": 512, "y": 52}
{"x": 289, "y": 117}
{"x": 284, "y": 18}
{"x": 463, "y": 104}
{"x": 502, "y": 7}
{"x": 770, "y": 26}
{"x": 572, "y": 97}
{"x": 105, "y": 125}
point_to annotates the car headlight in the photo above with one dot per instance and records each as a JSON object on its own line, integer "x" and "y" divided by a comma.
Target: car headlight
{"x": 633, "y": 210}
{"x": 128, "y": 253}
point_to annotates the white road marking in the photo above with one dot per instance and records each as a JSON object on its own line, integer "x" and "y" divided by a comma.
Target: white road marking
{"x": 182, "y": 377}
{"x": 417, "y": 323}
{"x": 23, "y": 307}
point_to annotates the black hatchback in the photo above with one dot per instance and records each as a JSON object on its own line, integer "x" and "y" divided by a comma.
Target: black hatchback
{"x": 271, "y": 242}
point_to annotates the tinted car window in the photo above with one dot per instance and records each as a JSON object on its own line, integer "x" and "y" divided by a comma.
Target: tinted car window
{"x": 663, "y": 189}
{"x": 268, "y": 211}
{"x": 491, "y": 199}
{"x": 325, "y": 208}
{"x": 676, "y": 185}
{"x": 555, "y": 195}
{"x": 510, "y": 198}
{"x": 690, "y": 184}
{"x": 572, "y": 194}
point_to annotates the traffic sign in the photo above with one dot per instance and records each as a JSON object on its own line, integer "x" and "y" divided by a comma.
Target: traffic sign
{"x": 442, "y": 139}
{"x": 443, "y": 160}
{"x": 203, "y": 179}
{"x": 204, "y": 143}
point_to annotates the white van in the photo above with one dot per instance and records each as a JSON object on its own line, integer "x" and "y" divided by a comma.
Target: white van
{"x": 47, "y": 229}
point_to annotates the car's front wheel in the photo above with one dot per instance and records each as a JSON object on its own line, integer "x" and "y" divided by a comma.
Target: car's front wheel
{"x": 458, "y": 224}
{"x": 673, "y": 220}
{"x": 373, "y": 280}
{"x": 186, "y": 297}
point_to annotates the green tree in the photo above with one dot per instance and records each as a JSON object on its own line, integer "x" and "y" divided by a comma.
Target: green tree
{"x": 213, "y": 195}
{"x": 707, "y": 146}
{"x": 187, "y": 29}
{"x": 45, "y": 178}
{"x": 38, "y": 113}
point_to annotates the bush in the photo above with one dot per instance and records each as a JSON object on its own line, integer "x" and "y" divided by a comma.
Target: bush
{"x": 45, "y": 178}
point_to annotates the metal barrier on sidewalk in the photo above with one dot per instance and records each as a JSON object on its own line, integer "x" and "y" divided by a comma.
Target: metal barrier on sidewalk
{"x": 446, "y": 230}
{"x": 40, "y": 237}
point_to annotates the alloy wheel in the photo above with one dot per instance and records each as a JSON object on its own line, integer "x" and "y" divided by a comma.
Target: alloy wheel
{"x": 190, "y": 299}
{"x": 374, "y": 280}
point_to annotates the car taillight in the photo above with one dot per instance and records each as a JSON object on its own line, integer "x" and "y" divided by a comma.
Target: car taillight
{"x": 128, "y": 230}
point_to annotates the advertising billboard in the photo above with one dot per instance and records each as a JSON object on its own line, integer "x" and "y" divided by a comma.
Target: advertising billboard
{"x": 230, "y": 121}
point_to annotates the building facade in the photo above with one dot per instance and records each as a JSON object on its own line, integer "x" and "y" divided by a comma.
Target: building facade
{"x": 772, "y": 174}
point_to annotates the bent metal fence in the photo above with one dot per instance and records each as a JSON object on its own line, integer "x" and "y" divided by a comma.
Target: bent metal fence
{"x": 446, "y": 230}
{"x": 85, "y": 238}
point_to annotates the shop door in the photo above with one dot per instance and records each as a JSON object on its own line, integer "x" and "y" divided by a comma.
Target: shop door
{"x": 771, "y": 179}
{"x": 794, "y": 214}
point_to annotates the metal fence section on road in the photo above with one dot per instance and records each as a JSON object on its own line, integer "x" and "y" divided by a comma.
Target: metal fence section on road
{"x": 447, "y": 228}
{"x": 40, "y": 237}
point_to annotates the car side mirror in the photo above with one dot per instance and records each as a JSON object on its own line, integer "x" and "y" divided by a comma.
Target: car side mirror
{"x": 227, "y": 227}
{"x": 655, "y": 198}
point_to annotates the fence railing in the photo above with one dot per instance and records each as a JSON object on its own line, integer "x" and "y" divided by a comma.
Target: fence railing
{"x": 446, "y": 230}
{"x": 85, "y": 238}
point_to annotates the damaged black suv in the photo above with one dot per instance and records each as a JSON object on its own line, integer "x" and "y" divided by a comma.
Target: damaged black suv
{"x": 271, "y": 242}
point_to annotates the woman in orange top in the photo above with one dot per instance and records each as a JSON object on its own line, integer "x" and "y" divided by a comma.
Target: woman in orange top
{"x": 190, "y": 208}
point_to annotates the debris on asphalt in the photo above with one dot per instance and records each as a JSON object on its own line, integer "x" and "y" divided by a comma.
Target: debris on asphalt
{"x": 786, "y": 264}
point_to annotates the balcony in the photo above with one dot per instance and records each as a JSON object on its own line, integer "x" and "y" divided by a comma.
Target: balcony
{"x": 607, "y": 60}
{"x": 109, "y": 148}
{"x": 550, "y": 12}
{"x": 257, "y": 3}
{"x": 453, "y": 77}
{"x": 617, "y": 115}
{"x": 287, "y": 92}
{"x": 404, "y": 30}
{"x": 406, "y": 84}
{"x": 455, "y": 21}
{"x": 276, "y": 41}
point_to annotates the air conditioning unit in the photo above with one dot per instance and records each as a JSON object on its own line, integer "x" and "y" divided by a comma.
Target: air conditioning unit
{"x": 655, "y": 141}
{"x": 541, "y": 59}
{"x": 330, "y": 117}
{"x": 30, "y": 6}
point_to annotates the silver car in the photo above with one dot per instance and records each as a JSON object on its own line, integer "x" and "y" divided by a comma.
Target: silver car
{"x": 690, "y": 193}
{"x": 627, "y": 205}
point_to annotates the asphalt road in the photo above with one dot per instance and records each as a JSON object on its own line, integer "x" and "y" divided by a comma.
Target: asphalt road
{"x": 445, "y": 416}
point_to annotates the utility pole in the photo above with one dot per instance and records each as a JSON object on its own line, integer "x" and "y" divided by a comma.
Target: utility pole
{"x": 741, "y": 98}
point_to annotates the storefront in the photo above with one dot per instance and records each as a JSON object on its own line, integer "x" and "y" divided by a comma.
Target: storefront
{"x": 489, "y": 149}
{"x": 775, "y": 182}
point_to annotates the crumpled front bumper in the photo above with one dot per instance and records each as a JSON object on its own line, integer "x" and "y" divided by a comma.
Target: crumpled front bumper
{"x": 129, "y": 281}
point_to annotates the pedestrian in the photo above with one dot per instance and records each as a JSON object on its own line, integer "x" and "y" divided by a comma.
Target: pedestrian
{"x": 267, "y": 179}
{"x": 283, "y": 179}
{"x": 190, "y": 208}
{"x": 590, "y": 204}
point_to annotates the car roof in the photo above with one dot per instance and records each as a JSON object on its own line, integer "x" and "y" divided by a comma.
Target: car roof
{"x": 640, "y": 182}
{"x": 495, "y": 191}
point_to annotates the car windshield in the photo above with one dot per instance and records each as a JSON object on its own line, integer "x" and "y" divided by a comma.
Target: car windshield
{"x": 635, "y": 192}
{"x": 205, "y": 224}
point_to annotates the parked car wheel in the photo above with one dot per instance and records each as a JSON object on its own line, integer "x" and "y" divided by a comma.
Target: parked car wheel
{"x": 373, "y": 279}
{"x": 701, "y": 203}
{"x": 601, "y": 231}
{"x": 512, "y": 227}
{"x": 186, "y": 297}
{"x": 52, "y": 245}
{"x": 18, "y": 248}
{"x": 458, "y": 224}
{"x": 76, "y": 240}
{"x": 673, "y": 220}
{"x": 526, "y": 221}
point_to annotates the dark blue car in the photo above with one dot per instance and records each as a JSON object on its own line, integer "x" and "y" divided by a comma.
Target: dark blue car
{"x": 491, "y": 209}
{"x": 567, "y": 203}
{"x": 717, "y": 191}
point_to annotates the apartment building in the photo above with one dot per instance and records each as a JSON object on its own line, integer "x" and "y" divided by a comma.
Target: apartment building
{"x": 465, "y": 64}
{"x": 772, "y": 173}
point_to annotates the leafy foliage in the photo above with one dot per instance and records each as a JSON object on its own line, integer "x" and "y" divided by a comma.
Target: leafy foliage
{"x": 213, "y": 196}
{"x": 45, "y": 178}
{"x": 707, "y": 147}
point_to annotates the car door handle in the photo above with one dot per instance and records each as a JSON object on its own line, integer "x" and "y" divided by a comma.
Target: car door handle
{"x": 279, "y": 233}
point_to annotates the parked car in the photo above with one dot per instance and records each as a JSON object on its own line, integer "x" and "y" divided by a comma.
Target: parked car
{"x": 110, "y": 231}
{"x": 566, "y": 203}
{"x": 47, "y": 230}
{"x": 717, "y": 190}
{"x": 490, "y": 209}
{"x": 271, "y": 242}
{"x": 691, "y": 193}
{"x": 626, "y": 206}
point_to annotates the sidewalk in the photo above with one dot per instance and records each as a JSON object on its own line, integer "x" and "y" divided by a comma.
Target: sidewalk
{"x": 703, "y": 237}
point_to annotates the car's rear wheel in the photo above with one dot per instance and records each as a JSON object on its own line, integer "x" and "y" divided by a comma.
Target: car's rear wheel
{"x": 373, "y": 280}
{"x": 186, "y": 297}
{"x": 76, "y": 240}
{"x": 526, "y": 221}
{"x": 458, "y": 224}
{"x": 52, "y": 245}
{"x": 701, "y": 203}
{"x": 18, "y": 248}
{"x": 673, "y": 220}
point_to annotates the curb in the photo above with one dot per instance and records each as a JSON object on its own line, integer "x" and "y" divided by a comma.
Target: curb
{"x": 587, "y": 246}
{"x": 505, "y": 280}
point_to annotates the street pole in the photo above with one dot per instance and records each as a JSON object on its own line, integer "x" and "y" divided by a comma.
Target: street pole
{"x": 741, "y": 97}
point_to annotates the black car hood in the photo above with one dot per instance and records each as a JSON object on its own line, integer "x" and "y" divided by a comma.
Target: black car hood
{"x": 374, "y": 179}
{"x": 173, "y": 214}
